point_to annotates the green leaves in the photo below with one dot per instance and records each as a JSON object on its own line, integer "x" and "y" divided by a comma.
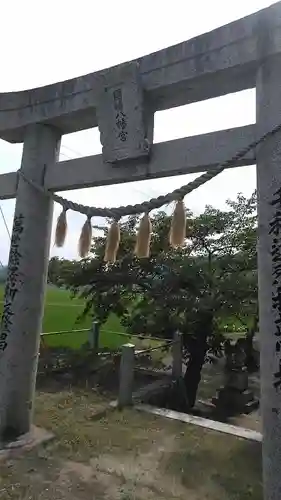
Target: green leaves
{"x": 215, "y": 272}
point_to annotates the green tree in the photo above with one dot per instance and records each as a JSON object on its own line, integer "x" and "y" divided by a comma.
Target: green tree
{"x": 194, "y": 289}
{"x": 60, "y": 270}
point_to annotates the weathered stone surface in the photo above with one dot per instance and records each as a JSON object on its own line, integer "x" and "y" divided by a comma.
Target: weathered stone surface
{"x": 180, "y": 156}
{"x": 36, "y": 437}
{"x": 237, "y": 380}
{"x": 25, "y": 284}
{"x": 233, "y": 400}
{"x": 121, "y": 114}
{"x": 268, "y": 92}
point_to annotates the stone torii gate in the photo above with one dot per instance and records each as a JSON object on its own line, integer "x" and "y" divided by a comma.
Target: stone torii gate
{"x": 241, "y": 55}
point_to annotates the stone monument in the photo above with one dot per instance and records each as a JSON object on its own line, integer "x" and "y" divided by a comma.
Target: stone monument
{"x": 235, "y": 396}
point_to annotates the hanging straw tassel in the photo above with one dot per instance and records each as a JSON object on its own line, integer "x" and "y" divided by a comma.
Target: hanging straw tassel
{"x": 112, "y": 242}
{"x": 85, "y": 239}
{"x": 61, "y": 229}
{"x": 142, "y": 248}
{"x": 178, "y": 225}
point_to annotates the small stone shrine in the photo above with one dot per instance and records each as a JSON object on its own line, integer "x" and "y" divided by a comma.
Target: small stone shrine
{"x": 235, "y": 396}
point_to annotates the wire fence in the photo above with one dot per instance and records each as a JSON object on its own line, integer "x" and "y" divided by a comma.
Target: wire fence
{"x": 110, "y": 340}
{"x": 61, "y": 332}
{"x": 121, "y": 334}
{"x": 61, "y": 351}
{"x": 140, "y": 352}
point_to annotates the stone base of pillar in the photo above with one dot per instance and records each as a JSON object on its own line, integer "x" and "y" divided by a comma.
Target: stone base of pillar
{"x": 26, "y": 442}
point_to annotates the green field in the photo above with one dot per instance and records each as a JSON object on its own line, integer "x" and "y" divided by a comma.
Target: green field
{"x": 60, "y": 315}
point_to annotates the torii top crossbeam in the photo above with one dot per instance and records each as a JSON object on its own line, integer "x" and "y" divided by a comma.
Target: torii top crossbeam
{"x": 210, "y": 65}
{"x": 122, "y": 101}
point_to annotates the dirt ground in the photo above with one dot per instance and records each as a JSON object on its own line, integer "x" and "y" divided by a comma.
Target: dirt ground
{"x": 127, "y": 456}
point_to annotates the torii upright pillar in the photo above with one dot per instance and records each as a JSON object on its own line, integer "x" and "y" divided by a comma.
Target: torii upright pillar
{"x": 268, "y": 103}
{"x": 25, "y": 285}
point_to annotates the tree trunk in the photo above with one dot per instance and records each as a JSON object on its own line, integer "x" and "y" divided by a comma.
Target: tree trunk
{"x": 192, "y": 376}
{"x": 197, "y": 346}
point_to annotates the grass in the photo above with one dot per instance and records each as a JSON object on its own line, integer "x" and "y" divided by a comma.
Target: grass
{"x": 61, "y": 312}
{"x": 128, "y": 455}
{"x": 60, "y": 315}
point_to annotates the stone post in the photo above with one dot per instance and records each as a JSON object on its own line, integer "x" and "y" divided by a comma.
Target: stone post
{"x": 25, "y": 285}
{"x": 177, "y": 356}
{"x": 94, "y": 334}
{"x": 126, "y": 375}
{"x": 268, "y": 103}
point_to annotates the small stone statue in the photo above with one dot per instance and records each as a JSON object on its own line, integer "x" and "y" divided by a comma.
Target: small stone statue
{"x": 235, "y": 355}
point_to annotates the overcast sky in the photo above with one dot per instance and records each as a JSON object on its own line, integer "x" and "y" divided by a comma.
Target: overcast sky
{"x": 46, "y": 42}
